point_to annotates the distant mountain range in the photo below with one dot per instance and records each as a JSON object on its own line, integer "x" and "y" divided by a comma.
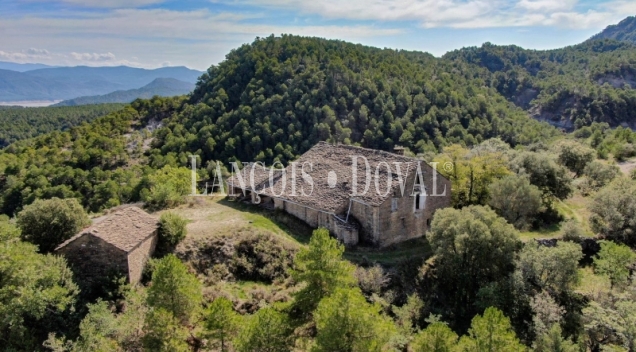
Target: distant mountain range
{"x": 625, "y": 30}
{"x": 12, "y": 66}
{"x": 63, "y": 83}
{"x": 164, "y": 87}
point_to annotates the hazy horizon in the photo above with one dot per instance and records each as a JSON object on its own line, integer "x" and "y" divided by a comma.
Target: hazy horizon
{"x": 197, "y": 34}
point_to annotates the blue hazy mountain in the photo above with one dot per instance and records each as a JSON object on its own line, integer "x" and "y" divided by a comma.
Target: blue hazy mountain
{"x": 62, "y": 83}
{"x": 164, "y": 87}
{"x": 12, "y": 66}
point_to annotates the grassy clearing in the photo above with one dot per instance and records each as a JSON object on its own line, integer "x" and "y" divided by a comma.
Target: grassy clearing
{"x": 573, "y": 208}
{"x": 551, "y": 231}
{"x": 210, "y": 217}
{"x": 415, "y": 248}
{"x": 214, "y": 216}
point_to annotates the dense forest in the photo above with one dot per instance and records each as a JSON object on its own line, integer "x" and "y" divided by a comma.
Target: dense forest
{"x": 570, "y": 87}
{"x": 18, "y": 123}
{"x": 275, "y": 98}
{"x": 480, "y": 281}
{"x": 625, "y": 30}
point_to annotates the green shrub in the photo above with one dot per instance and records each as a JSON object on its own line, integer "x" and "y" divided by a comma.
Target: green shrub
{"x": 49, "y": 222}
{"x": 261, "y": 257}
{"x": 172, "y": 229}
{"x": 614, "y": 260}
{"x": 571, "y": 231}
{"x": 600, "y": 174}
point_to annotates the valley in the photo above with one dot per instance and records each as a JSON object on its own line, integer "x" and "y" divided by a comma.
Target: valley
{"x": 532, "y": 250}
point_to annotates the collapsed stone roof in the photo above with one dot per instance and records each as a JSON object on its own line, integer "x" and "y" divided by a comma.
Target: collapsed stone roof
{"x": 258, "y": 171}
{"x": 332, "y": 177}
{"x": 125, "y": 229}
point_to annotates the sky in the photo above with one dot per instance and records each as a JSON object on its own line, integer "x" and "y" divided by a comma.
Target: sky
{"x": 197, "y": 34}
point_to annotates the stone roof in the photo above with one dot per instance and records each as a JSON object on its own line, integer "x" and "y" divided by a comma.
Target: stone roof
{"x": 125, "y": 229}
{"x": 336, "y": 160}
{"x": 256, "y": 170}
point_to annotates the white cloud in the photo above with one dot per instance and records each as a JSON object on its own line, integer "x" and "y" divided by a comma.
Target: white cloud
{"x": 462, "y": 13}
{"x": 158, "y": 35}
{"x": 113, "y": 3}
{"x": 37, "y": 52}
{"x": 93, "y": 57}
{"x": 546, "y": 5}
{"x": 28, "y": 55}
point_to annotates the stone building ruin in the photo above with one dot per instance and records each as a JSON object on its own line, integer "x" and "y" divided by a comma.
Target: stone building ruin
{"x": 399, "y": 203}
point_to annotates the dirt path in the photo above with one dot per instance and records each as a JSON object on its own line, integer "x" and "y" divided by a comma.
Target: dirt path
{"x": 627, "y": 166}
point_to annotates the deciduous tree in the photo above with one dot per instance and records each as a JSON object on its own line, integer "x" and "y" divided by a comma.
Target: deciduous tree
{"x": 48, "y": 223}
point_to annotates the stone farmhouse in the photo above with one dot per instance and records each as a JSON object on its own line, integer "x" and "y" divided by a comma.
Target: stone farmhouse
{"x": 120, "y": 243}
{"x": 320, "y": 189}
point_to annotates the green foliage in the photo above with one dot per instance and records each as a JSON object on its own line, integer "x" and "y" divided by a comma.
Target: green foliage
{"x": 321, "y": 268}
{"x": 543, "y": 171}
{"x": 599, "y": 174}
{"x": 97, "y": 330}
{"x": 473, "y": 247}
{"x": 573, "y": 155}
{"x": 614, "y": 260}
{"x": 551, "y": 268}
{"x": 278, "y": 96}
{"x": 516, "y": 200}
{"x": 174, "y": 289}
{"x": 222, "y": 323}
{"x": 407, "y": 315}
{"x": 94, "y": 162}
{"x": 553, "y": 341}
{"x": 164, "y": 333}
{"x": 346, "y": 322}
{"x": 491, "y": 333}
{"x": 268, "y": 331}
{"x": 48, "y": 223}
{"x": 167, "y": 187}
{"x": 625, "y": 30}
{"x": 571, "y": 231}
{"x": 472, "y": 173}
{"x": 172, "y": 229}
{"x": 35, "y": 289}
{"x": 261, "y": 257}
{"x": 22, "y": 123}
{"x": 572, "y": 87}
{"x": 437, "y": 337}
{"x": 614, "y": 211}
{"x": 611, "y": 324}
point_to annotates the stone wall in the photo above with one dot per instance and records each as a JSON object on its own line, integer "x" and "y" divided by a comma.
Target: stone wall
{"x": 344, "y": 232}
{"x": 138, "y": 257}
{"x": 367, "y": 216}
{"x": 92, "y": 258}
{"x": 385, "y": 224}
{"x": 406, "y": 222}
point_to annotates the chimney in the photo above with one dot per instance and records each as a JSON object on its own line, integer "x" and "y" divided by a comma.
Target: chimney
{"x": 398, "y": 150}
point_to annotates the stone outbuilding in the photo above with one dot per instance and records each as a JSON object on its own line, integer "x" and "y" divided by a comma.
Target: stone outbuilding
{"x": 121, "y": 242}
{"x": 325, "y": 188}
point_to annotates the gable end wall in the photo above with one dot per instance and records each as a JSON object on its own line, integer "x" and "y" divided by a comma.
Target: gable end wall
{"x": 138, "y": 257}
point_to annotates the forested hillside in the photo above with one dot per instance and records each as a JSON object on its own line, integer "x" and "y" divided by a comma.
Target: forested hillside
{"x": 271, "y": 100}
{"x": 570, "y": 87}
{"x": 233, "y": 277}
{"x": 625, "y": 30}
{"x": 18, "y": 123}
{"x": 275, "y": 98}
